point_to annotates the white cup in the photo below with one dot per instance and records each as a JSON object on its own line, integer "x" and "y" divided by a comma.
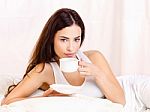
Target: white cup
{"x": 68, "y": 64}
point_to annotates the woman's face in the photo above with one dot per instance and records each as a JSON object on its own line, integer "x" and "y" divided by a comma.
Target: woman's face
{"x": 67, "y": 41}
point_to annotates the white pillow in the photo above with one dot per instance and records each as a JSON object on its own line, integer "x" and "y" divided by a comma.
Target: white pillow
{"x": 64, "y": 104}
{"x": 5, "y": 81}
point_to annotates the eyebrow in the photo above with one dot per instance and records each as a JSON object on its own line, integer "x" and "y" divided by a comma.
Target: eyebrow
{"x": 68, "y": 37}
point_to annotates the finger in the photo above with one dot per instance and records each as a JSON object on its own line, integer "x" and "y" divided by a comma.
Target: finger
{"x": 48, "y": 92}
{"x": 83, "y": 69}
{"x": 56, "y": 93}
{"x": 59, "y": 94}
{"x": 85, "y": 74}
{"x": 83, "y": 64}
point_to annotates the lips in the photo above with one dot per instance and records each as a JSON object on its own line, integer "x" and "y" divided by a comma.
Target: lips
{"x": 70, "y": 55}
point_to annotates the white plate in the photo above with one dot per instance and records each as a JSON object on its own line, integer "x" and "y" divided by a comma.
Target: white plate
{"x": 65, "y": 89}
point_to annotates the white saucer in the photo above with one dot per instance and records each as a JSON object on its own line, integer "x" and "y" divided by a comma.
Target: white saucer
{"x": 65, "y": 89}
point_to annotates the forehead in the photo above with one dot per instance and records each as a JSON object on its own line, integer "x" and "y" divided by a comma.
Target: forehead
{"x": 71, "y": 31}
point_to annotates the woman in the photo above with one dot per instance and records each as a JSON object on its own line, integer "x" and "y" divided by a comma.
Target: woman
{"x": 62, "y": 37}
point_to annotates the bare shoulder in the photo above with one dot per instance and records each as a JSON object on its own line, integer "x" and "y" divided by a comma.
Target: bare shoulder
{"x": 41, "y": 68}
{"x": 96, "y": 57}
{"x": 43, "y": 71}
{"x": 93, "y": 54}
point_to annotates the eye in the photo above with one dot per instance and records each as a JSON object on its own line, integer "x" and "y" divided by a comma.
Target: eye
{"x": 77, "y": 39}
{"x": 63, "y": 40}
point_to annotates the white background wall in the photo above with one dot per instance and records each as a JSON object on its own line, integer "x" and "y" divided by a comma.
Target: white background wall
{"x": 120, "y": 29}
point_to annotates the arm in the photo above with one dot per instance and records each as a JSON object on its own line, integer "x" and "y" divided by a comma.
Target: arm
{"x": 29, "y": 84}
{"x": 103, "y": 76}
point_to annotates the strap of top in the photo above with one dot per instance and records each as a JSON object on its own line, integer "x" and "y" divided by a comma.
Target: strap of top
{"x": 80, "y": 55}
{"x": 59, "y": 78}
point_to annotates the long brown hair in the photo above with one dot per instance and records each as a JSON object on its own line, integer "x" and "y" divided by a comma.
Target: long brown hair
{"x": 44, "y": 49}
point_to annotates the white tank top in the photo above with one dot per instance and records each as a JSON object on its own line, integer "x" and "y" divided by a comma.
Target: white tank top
{"x": 89, "y": 86}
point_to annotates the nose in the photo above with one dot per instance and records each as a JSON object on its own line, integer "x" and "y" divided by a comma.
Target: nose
{"x": 70, "y": 46}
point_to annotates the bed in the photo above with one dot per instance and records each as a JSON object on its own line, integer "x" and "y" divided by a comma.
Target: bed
{"x": 74, "y": 103}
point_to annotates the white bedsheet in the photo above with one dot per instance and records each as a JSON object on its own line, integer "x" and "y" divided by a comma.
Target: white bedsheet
{"x": 76, "y": 103}
{"x": 134, "y": 86}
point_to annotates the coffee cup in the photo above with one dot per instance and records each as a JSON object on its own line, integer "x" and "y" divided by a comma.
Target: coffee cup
{"x": 68, "y": 64}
